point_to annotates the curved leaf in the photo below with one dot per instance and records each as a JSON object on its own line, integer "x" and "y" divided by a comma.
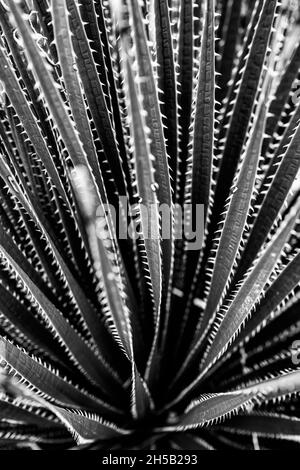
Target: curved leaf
{"x": 166, "y": 81}
{"x": 95, "y": 96}
{"x": 231, "y": 234}
{"x": 212, "y": 408}
{"x": 88, "y": 427}
{"x": 154, "y": 123}
{"x": 264, "y": 424}
{"x": 71, "y": 79}
{"x": 49, "y": 383}
{"x": 274, "y": 296}
{"x": 25, "y": 114}
{"x": 244, "y": 102}
{"x": 74, "y": 344}
{"x": 249, "y": 292}
{"x": 287, "y": 158}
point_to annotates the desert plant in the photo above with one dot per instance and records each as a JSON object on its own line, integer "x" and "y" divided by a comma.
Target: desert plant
{"x": 108, "y": 111}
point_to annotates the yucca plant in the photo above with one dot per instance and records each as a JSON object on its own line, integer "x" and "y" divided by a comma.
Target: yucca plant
{"x": 113, "y": 333}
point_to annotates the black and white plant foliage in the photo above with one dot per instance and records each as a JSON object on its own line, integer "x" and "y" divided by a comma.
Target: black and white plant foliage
{"x": 114, "y": 332}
